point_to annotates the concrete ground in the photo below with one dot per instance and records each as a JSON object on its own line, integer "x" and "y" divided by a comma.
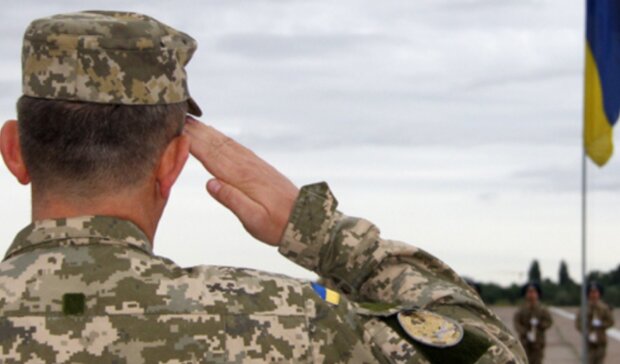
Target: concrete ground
{"x": 564, "y": 341}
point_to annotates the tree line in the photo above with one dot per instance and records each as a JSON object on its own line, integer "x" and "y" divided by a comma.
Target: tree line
{"x": 564, "y": 292}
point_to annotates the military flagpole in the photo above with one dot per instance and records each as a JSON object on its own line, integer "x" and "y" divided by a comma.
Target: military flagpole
{"x": 584, "y": 194}
{"x": 584, "y": 209}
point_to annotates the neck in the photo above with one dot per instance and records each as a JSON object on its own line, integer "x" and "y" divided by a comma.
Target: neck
{"x": 127, "y": 205}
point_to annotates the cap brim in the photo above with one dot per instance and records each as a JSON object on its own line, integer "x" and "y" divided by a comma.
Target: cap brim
{"x": 193, "y": 108}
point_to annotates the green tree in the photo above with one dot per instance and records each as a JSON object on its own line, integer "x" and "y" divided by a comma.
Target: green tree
{"x": 534, "y": 273}
{"x": 614, "y": 276}
{"x": 564, "y": 278}
{"x": 567, "y": 294}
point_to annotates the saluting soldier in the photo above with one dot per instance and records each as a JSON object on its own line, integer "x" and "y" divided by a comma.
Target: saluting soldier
{"x": 102, "y": 135}
{"x": 599, "y": 318}
{"x": 531, "y": 321}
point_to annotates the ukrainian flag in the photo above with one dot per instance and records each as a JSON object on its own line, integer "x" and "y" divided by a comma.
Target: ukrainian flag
{"x": 602, "y": 78}
{"x": 326, "y": 294}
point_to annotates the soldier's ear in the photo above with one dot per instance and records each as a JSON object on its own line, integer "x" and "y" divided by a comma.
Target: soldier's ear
{"x": 171, "y": 164}
{"x": 12, "y": 152}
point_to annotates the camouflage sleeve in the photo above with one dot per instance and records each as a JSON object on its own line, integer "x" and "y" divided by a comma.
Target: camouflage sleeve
{"x": 348, "y": 253}
{"x": 608, "y": 318}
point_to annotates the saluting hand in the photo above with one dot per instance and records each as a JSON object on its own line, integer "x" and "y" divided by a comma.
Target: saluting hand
{"x": 260, "y": 196}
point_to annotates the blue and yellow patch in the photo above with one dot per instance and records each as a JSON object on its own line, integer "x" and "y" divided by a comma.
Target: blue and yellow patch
{"x": 326, "y": 294}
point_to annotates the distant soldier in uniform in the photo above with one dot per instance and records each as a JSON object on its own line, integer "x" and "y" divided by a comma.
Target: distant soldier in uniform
{"x": 102, "y": 134}
{"x": 599, "y": 318}
{"x": 531, "y": 321}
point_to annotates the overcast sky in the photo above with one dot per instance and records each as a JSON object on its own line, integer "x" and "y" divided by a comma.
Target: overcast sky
{"x": 454, "y": 125}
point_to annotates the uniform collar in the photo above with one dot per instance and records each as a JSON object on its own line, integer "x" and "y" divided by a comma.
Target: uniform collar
{"x": 79, "y": 230}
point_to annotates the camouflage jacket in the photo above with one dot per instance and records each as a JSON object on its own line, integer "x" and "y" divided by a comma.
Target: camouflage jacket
{"x": 90, "y": 290}
{"x": 523, "y": 323}
{"x": 597, "y": 333}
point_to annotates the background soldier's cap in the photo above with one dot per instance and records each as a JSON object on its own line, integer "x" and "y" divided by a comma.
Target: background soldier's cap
{"x": 107, "y": 57}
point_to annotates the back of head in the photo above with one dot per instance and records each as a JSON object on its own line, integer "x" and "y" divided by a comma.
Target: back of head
{"x": 104, "y": 92}
{"x": 86, "y": 149}
{"x": 595, "y": 286}
{"x": 531, "y": 286}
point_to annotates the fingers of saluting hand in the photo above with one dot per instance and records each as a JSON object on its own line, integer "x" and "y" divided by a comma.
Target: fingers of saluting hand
{"x": 255, "y": 218}
{"x": 259, "y": 195}
{"x": 231, "y": 162}
{"x": 216, "y": 151}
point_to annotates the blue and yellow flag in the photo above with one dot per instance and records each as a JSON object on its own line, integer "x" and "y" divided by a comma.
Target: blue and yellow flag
{"x": 602, "y": 78}
{"x": 326, "y": 294}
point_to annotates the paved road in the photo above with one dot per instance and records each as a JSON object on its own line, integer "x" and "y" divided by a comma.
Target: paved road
{"x": 563, "y": 341}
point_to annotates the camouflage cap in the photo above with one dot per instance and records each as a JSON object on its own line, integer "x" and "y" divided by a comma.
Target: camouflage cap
{"x": 107, "y": 57}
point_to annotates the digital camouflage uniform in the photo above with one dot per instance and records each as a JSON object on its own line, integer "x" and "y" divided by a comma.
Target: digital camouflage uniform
{"x": 90, "y": 290}
{"x": 599, "y": 319}
{"x": 531, "y": 322}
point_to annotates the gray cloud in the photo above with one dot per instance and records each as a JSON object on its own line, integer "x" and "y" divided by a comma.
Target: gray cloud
{"x": 564, "y": 177}
{"x": 279, "y": 48}
{"x": 315, "y": 75}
